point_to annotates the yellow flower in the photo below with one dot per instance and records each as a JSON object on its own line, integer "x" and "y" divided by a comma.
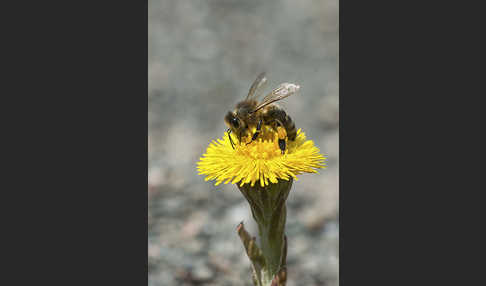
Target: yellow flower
{"x": 261, "y": 160}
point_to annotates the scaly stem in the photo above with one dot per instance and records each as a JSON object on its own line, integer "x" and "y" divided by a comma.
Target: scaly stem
{"x": 272, "y": 239}
{"x": 268, "y": 208}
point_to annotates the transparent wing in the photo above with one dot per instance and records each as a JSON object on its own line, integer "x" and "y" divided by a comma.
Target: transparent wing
{"x": 282, "y": 91}
{"x": 257, "y": 84}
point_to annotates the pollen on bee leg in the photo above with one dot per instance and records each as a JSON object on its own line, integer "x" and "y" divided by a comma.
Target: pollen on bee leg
{"x": 282, "y": 133}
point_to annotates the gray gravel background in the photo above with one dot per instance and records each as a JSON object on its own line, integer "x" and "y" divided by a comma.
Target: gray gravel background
{"x": 203, "y": 57}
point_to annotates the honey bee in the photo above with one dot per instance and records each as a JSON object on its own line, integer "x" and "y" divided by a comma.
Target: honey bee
{"x": 250, "y": 113}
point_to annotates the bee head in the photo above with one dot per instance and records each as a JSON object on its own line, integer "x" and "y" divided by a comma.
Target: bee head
{"x": 232, "y": 120}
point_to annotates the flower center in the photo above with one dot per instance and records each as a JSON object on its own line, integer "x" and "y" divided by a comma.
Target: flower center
{"x": 265, "y": 147}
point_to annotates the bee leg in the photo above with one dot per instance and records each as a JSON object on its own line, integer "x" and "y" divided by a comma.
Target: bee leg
{"x": 282, "y": 135}
{"x": 258, "y": 129}
{"x": 229, "y": 136}
{"x": 281, "y": 144}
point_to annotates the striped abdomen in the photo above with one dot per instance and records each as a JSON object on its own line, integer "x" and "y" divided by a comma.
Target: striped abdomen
{"x": 275, "y": 116}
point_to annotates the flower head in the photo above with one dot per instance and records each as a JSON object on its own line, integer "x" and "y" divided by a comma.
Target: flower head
{"x": 260, "y": 160}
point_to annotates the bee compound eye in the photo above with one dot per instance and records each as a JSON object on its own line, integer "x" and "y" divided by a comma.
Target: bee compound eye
{"x": 235, "y": 122}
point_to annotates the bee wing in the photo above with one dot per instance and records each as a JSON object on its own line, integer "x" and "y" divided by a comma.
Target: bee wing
{"x": 257, "y": 84}
{"x": 282, "y": 91}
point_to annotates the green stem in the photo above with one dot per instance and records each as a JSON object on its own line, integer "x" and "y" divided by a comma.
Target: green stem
{"x": 268, "y": 208}
{"x": 272, "y": 239}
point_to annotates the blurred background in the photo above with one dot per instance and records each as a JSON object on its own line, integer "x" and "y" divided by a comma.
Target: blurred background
{"x": 202, "y": 58}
